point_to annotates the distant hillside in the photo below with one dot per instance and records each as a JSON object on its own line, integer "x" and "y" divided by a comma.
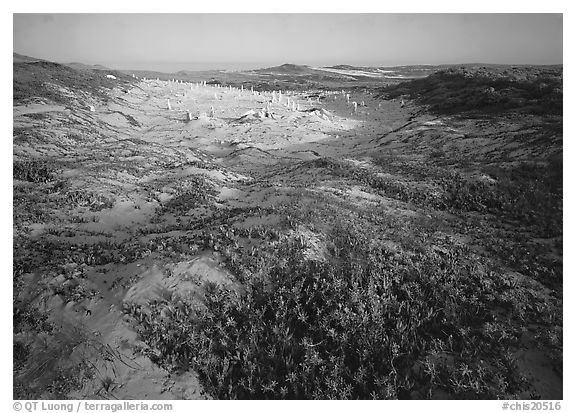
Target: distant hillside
{"x": 321, "y": 74}
{"x": 286, "y": 68}
{"x": 82, "y": 66}
{"x": 39, "y": 78}
{"x": 528, "y": 89}
{"x": 342, "y": 67}
{"x": 297, "y": 75}
{"x": 20, "y": 58}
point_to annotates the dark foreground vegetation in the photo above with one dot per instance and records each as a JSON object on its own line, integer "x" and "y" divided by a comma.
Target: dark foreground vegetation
{"x": 387, "y": 310}
{"x": 365, "y": 323}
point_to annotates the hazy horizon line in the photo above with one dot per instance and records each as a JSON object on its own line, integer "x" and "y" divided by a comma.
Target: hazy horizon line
{"x": 176, "y": 66}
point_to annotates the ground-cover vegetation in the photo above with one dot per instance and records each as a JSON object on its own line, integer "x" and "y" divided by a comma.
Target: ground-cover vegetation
{"x": 481, "y": 89}
{"x": 368, "y": 264}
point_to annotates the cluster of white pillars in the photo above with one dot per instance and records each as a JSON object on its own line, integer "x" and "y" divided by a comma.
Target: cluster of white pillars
{"x": 290, "y": 102}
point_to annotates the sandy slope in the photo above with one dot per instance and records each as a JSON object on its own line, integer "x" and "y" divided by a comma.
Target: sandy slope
{"x": 137, "y": 153}
{"x": 138, "y": 167}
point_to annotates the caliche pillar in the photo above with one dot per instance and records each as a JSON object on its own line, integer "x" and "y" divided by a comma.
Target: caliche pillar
{"x": 168, "y": 105}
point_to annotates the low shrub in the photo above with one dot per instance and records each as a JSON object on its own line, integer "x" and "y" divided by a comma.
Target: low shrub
{"x": 191, "y": 193}
{"x": 33, "y": 171}
{"x": 94, "y": 201}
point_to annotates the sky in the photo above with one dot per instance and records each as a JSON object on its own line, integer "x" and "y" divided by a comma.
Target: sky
{"x": 239, "y": 41}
